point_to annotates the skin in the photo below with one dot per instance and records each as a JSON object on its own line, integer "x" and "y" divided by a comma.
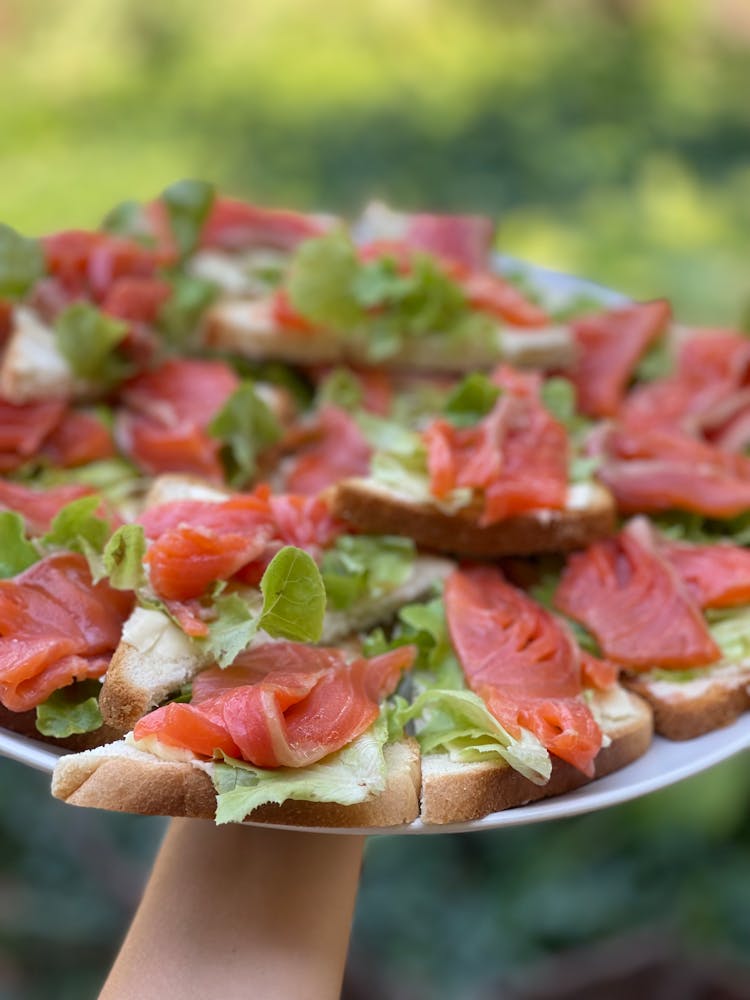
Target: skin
{"x": 241, "y": 911}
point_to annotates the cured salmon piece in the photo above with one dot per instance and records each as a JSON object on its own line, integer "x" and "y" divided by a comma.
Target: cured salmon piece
{"x": 610, "y": 346}
{"x": 634, "y": 601}
{"x": 523, "y": 662}
{"x": 78, "y": 439}
{"x": 184, "y": 562}
{"x": 56, "y": 627}
{"x": 197, "y": 541}
{"x": 39, "y": 507}
{"x": 333, "y": 448}
{"x": 24, "y": 429}
{"x": 86, "y": 263}
{"x": 237, "y": 225}
{"x": 717, "y": 576}
{"x": 167, "y": 411}
{"x": 516, "y": 456}
{"x": 496, "y": 295}
{"x": 301, "y": 704}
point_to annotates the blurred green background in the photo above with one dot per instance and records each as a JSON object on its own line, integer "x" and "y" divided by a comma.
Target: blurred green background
{"x": 611, "y": 139}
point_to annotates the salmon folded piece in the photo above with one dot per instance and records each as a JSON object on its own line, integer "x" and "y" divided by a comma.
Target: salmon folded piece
{"x": 39, "y": 507}
{"x": 522, "y": 662}
{"x": 288, "y": 705}
{"x": 635, "y": 602}
{"x": 56, "y": 627}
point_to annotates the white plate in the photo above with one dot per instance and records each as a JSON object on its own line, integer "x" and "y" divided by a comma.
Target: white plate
{"x": 664, "y": 764}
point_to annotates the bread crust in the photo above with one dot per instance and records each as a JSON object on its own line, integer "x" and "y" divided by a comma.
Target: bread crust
{"x": 377, "y": 511}
{"x": 458, "y": 793}
{"x": 122, "y": 779}
{"x": 679, "y": 716}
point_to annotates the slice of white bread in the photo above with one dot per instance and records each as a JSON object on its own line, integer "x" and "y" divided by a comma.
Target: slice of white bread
{"x": 247, "y": 326}
{"x": 456, "y": 792}
{"x": 375, "y": 509}
{"x": 122, "y": 778}
{"x": 685, "y": 709}
{"x": 155, "y": 658}
{"x": 32, "y": 367}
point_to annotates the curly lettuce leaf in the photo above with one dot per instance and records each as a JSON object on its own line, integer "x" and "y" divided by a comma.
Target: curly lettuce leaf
{"x": 246, "y": 426}
{"x": 16, "y": 552}
{"x": 233, "y": 629}
{"x": 21, "y": 263}
{"x": 321, "y": 276}
{"x": 88, "y": 340}
{"x": 363, "y": 567}
{"x": 180, "y": 314}
{"x": 70, "y": 710}
{"x": 351, "y": 775}
{"x": 340, "y": 388}
{"x": 458, "y": 722}
{"x": 730, "y": 630}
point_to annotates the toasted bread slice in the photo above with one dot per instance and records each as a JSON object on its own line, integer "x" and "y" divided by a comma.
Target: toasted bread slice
{"x": 376, "y": 509}
{"x": 155, "y": 658}
{"x": 456, "y": 792}
{"x": 32, "y": 367}
{"x": 685, "y": 709}
{"x": 247, "y": 326}
{"x": 122, "y": 778}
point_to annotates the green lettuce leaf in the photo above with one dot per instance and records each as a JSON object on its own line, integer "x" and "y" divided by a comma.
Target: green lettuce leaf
{"x": 294, "y": 598}
{"x": 70, "y": 710}
{"x": 657, "y": 362}
{"x": 559, "y": 397}
{"x": 458, "y": 722}
{"x": 362, "y": 567}
{"x": 123, "y": 558}
{"x": 188, "y": 203}
{"x": 113, "y": 478}
{"x": 375, "y": 300}
{"x": 341, "y": 388}
{"x": 320, "y": 281}
{"x": 21, "y": 263}
{"x": 233, "y": 629}
{"x": 471, "y": 400}
{"x": 77, "y": 529}
{"x": 129, "y": 219}
{"x": 246, "y": 426}
{"x": 389, "y": 436}
{"x": 730, "y": 630}
{"x": 352, "y": 774}
{"x": 688, "y": 527}
{"x": 180, "y": 314}
{"x": 88, "y": 341}
{"x": 16, "y": 551}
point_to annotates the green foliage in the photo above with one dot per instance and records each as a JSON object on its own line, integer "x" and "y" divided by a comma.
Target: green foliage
{"x": 88, "y": 341}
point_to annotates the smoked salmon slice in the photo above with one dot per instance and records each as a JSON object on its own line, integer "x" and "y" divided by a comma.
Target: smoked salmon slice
{"x": 163, "y": 427}
{"x": 717, "y": 576}
{"x": 56, "y": 627}
{"x": 325, "y": 451}
{"x": 635, "y": 602}
{"x": 301, "y": 703}
{"x": 39, "y": 507}
{"x": 516, "y": 456}
{"x": 610, "y": 346}
{"x": 24, "y": 429}
{"x": 523, "y": 662}
{"x": 196, "y": 542}
{"x": 78, "y": 439}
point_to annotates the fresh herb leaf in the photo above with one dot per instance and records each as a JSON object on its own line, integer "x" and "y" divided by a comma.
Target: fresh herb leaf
{"x": 188, "y": 203}
{"x": 88, "y": 341}
{"x": 364, "y": 567}
{"x": 471, "y": 400}
{"x": 21, "y": 263}
{"x": 123, "y": 557}
{"x": 294, "y": 598}
{"x": 16, "y": 551}
{"x": 576, "y": 307}
{"x": 245, "y": 425}
{"x": 559, "y": 397}
{"x": 70, "y": 710}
